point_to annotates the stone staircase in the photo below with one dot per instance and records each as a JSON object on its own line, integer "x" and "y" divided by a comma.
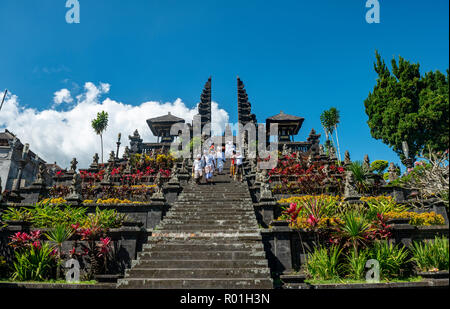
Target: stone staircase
{"x": 209, "y": 240}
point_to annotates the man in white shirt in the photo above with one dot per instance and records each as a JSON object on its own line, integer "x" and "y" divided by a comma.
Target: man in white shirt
{"x": 239, "y": 168}
{"x": 197, "y": 169}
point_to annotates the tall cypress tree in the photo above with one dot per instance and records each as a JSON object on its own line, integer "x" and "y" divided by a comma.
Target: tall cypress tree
{"x": 405, "y": 106}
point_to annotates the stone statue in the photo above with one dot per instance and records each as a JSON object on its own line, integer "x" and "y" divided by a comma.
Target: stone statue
{"x": 347, "y": 160}
{"x": 350, "y": 192}
{"x": 126, "y": 153}
{"x": 128, "y": 167}
{"x": 173, "y": 174}
{"x": 392, "y": 170}
{"x": 75, "y": 188}
{"x": 321, "y": 150}
{"x": 332, "y": 153}
{"x": 265, "y": 192}
{"x": 107, "y": 179}
{"x": 285, "y": 150}
{"x": 40, "y": 175}
{"x": 366, "y": 163}
{"x": 112, "y": 157}
{"x": 310, "y": 160}
{"x": 158, "y": 189}
{"x": 95, "y": 159}
{"x": 73, "y": 165}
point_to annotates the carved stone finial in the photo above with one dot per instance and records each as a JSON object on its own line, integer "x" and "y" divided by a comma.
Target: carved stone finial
{"x": 285, "y": 151}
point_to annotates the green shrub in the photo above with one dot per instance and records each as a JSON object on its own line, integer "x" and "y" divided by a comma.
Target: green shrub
{"x": 324, "y": 264}
{"x": 379, "y": 166}
{"x": 34, "y": 263}
{"x": 356, "y": 264}
{"x": 392, "y": 258}
{"x": 431, "y": 255}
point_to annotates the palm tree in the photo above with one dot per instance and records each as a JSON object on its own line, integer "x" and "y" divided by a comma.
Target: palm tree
{"x": 334, "y": 112}
{"x": 99, "y": 125}
{"x": 326, "y": 118}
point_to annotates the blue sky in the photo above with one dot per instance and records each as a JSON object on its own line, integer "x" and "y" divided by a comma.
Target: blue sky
{"x": 301, "y": 57}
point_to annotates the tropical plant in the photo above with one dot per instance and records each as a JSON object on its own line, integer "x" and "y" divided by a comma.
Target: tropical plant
{"x": 324, "y": 264}
{"x": 381, "y": 205}
{"x": 354, "y": 229}
{"x": 59, "y": 234}
{"x": 431, "y": 255}
{"x": 356, "y": 264}
{"x": 35, "y": 262}
{"x": 99, "y": 125}
{"x": 392, "y": 258}
{"x": 360, "y": 174}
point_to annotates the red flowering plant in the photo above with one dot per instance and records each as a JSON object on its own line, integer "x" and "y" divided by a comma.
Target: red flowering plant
{"x": 88, "y": 246}
{"x": 297, "y": 176}
{"x": 23, "y": 240}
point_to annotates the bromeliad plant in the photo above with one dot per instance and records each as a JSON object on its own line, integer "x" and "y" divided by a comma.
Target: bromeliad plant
{"x": 97, "y": 252}
{"x": 33, "y": 260}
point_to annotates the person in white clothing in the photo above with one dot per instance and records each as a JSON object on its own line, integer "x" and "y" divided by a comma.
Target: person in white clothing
{"x": 220, "y": 159}
{"x": 197, "y": 169}
{"x": 209, "y": 167}
{"x": 239, "y": 167}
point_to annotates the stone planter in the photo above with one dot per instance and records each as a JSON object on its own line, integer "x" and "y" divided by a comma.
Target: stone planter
{"x": 443, "y": 274}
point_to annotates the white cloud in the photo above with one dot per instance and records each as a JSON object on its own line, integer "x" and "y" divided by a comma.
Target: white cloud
{"x": 62, "y": 96}
{"x": 61, "y": 135}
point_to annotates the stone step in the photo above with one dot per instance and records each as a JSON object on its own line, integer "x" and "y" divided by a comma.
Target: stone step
{"x": 202, "y": 255}
{"x": 191, "y": 283}
{"x": 154, "y": 263}
{"x": 203, "y": 247}
{"x": 217, "y": 273}
{"x": 210, "y": 230}
{"x": 184, "y": 220}
{"x": 185, "y": 226}
{"x": 201, "y": 238}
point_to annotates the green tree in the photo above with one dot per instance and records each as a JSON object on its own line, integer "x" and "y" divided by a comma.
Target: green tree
{"x": 99, "y": 125}
{"x": 330, "y": 119}
{"x": 405, "y": 106}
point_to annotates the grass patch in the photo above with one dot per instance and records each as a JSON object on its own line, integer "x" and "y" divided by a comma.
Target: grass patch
{"x": 352, "y": 281}
{"x": 49, "y": 281}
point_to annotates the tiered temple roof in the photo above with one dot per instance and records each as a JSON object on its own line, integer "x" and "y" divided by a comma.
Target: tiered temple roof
{"x": 244, "y": 106}
{"x": 204, "y": 107}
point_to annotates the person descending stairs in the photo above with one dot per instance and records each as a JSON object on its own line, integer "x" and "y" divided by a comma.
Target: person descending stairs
{"x": 209, "y": 239}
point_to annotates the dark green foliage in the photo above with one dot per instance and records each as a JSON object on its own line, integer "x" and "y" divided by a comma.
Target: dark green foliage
{"x": 405, "y": 106}
{"x": 431, "y": 255}
{"x": 379, "y": 166}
